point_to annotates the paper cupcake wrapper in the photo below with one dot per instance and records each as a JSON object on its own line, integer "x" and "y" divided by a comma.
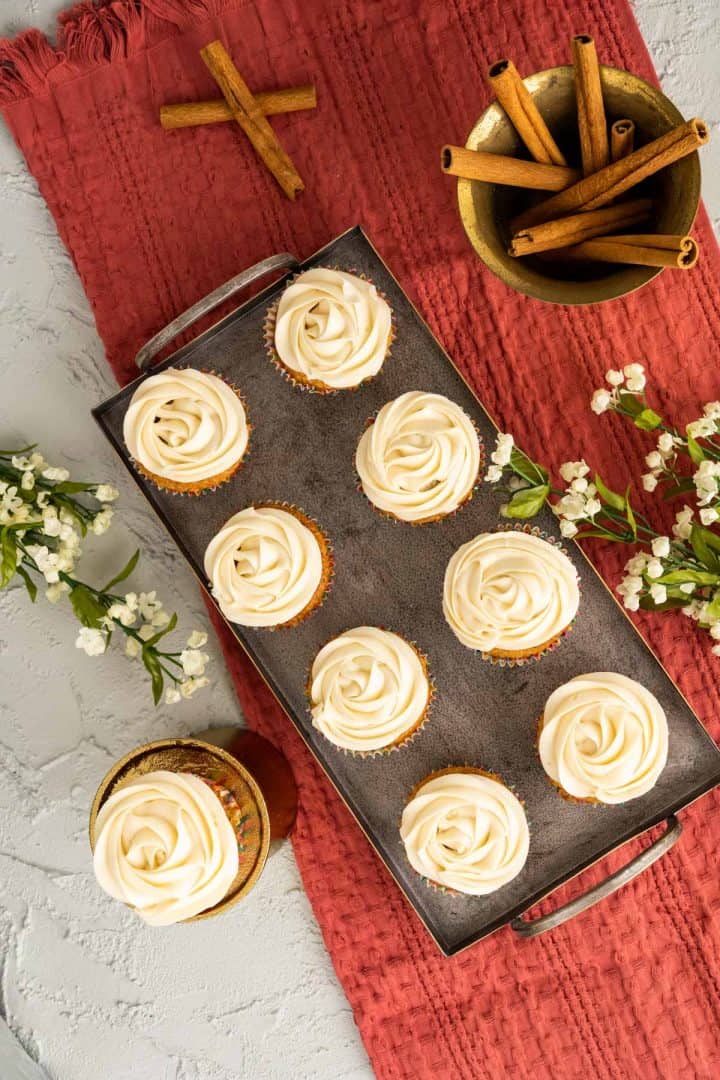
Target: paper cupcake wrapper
{"x": 317, "y": 387}
{"x": 203, "y": 486}
{"x": 438, "y": 517}
{"x": 382, "y": 751}
{"x": 244, "y": 819}
{"x": 519, "y": 661}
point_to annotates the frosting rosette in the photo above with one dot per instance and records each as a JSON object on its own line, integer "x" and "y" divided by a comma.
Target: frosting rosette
{"x": 510, "y": 593}
{"x": 267, "y": 566}
{"x": 420, "y": 457}
{"x": 164, "y": 845}
{"x": 186, "y": 427}
{"x": 465, "y": 831}
{"x": 332, "y": 329}
{"x": 603, "y": 737}
{"x": 368, "y": 689}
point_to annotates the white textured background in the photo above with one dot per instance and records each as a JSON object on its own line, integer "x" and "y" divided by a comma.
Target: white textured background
{"x": 90, "y": 992}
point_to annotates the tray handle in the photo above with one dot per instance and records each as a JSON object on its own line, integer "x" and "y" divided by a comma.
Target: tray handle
{"x": 528, "y": 928}
{"x": 283, "y": 261}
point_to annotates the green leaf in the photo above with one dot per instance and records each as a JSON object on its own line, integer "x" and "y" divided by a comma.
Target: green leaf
{"x": 695, "y": 450}
{"x": 683, "y": 577}
{"x": 648, "y": 420}
{"x": 680, "y": 488}
{"x": 702, "y": 541}
{"x": 29, "y": 583}
{"x": 530, "y": 470}
{"x": 124, "y": 573}
{"x": 610, "y": 497}
{"x": 71, "y": 487}
{"x": 630, "y": 404}
{"x": 602, "y": 535}
{"x": 629, "y": 514}
{"x": 170, "y": 626}
{"x": 528, "y": 502}
{"x": 152, "y": 664}
{"x": 8, "y": 556}
{"x": 86, "y": 606}
{"x": 713, "y": 608}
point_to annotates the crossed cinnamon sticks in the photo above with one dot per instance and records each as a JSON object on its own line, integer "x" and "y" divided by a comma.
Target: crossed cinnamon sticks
{"x": 577, "y": 219}
{"x": 249, "y": 111}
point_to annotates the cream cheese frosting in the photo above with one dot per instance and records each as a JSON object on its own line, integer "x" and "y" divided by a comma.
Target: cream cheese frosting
{"x": 333, "y": 328}
{"x": 186, "y": 426}
{"x": 465, "y": 831}
{"x": 420, "y": 457}
{"x": 368, "y": 688}
{"x": 509, "y": 592}
{"x": 164, "y": 845}
{"x": 265, "y": 566}
{"x": 603, "y": 737}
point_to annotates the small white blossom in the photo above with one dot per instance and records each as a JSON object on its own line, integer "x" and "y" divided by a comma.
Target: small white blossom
{"x": 92, "y": 641}
{"x": 515, "y": 483}
{"x": 600, "y": 401}
{"x": 637, "y": 564}
{"x": 197, "y": 639}
{"x": 715, "y": 631}
{"x": 712, "y": 410}
{"x": 51, "y": 522}
{"x": 661, "y": 547}
{"x": 189, "y": 686}
{"x": 687, "y": 587}
{"x": 42, "y": 499}
{"x": 573, "y": 470}
{"x": 632, "y": 603}
{"x": 28, "y": 481}
{"x": 592, "y": 507}
{"x": 503, "y": 449}
{"x": 654, "y": 568}
{"x": 148, "y": 605}
{"x": 708, "y": 515}
{"x": 568, "y": 529}
{"x": 571, "y": 507}
{"x": 658, "y": 593}
{"x": 683, "y": 523}
{"x": 614, "y": 377}
{"x": 105, "y": 493}
{"x": 494, "y": 474}
{"x": 193, "y": 661}
{"x": 56, "y": 475}
{"x": 715, "y": 650}
{"x": 147, "y": 631}
{"x": 172, "y": 696}
{"x": 133, "y": 648}
{"x": 649, "y": 481}
{"x": 579, "y": 486}
{"x": 635, "y": 376}
{"x": 101, "y": 522}
{"x": 55, "y": 592}
{"x": 654, "y": 459}
{"x": 630, "y": 585}
{"x": 666, "y": 443}
{"x": 122, "y": 613}
{"x": 706, "y": 479}
{"x": 20, "y": 462}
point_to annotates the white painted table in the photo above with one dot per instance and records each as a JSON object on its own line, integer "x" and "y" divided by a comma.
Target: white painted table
{"x": 91, "y": 993}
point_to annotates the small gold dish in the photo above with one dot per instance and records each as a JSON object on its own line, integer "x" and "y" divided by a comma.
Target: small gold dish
{"x": 216, "y": 765}
{"x": 487, "y": 209}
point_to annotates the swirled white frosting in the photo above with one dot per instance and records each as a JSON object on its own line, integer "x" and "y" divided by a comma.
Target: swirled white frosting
{"x": 368, "y": 688}
{"x": 333, "y": 328}
{"x": 264, "y": 565}
{"x": 164, "y": 845}
{"x": 509, "y": 592}
{"x": 185, "y": 425}
{"x": 603, "y": 737}
{"x": 465, "y": 831}
{"x": 420, "y": 457}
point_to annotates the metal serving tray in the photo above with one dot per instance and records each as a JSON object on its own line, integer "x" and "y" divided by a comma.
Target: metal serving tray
{"x": 391, "y": 574}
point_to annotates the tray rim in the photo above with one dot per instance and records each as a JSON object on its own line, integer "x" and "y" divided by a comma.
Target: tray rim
{"x": 446, "y": 948}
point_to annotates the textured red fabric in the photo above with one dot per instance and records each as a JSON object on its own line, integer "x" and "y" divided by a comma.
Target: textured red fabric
{"x": 155, "y": 220}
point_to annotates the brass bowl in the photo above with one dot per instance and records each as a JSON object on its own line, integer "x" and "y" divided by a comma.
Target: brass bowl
{"x": 212, "y": 763}
{"x": 486, "y": 209}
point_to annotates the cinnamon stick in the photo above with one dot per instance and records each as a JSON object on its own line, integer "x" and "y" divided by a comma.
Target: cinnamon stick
{"x": 679, "y": 252}
{"x": 249, "y": 116}
{"x": 602, "y": 187}
{"x": 622, "y": 139}
{"x": 578, "y": 227}
{"x": 271, "y": 103}
{"x": 500, "y": 169}
{"x": 523, "y": 113}
{"x": 592, "y": 125}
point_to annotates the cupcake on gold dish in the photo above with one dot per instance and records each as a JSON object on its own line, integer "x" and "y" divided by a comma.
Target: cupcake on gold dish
{"x": 186, "y": 430}
{"x": 603, "y": 738}
{"x": 270, "y": 565}
{"x": 179, "y": 831}
{"x": 510, "y": 594}
{"x": 420, "y": 457}
{"x": 465, "y": 831}
{"x": 330, "y": 330}
{"x": 369, "y": 690}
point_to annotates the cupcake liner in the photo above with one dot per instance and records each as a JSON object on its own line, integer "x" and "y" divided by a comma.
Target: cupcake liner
{"x": 550, "y": 646}
{"x": 406, "y": 739}
{"x": 389, "y": 516}
{"x": 213, "y": 482}
{"x": 435, "y": 886}
{"x": 312, "y": 386}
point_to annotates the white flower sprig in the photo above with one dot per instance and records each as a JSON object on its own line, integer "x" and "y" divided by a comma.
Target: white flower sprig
{"x": 679, "y": 571}
{"x": 44, "y": 516}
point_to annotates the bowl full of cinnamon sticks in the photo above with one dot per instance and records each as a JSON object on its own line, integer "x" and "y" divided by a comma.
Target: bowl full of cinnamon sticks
{"x": 581, "y": 183}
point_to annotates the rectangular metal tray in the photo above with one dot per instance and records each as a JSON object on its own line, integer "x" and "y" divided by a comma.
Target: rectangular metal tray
{"x": 391, "y": 574}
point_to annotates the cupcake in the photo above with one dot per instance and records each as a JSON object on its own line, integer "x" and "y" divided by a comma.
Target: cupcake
{"x": 369, "y": 690}
{"x": 269, "y": 566}
{"x": 176, "y": 844}
{"x": 419, "y": 459}
{"x": 510, "y": 594}
{"x": 186, "y": 430}
{"x": 603, "y": 738}
{"x": 465, "y": 831}
{"x": 332, "y": 330}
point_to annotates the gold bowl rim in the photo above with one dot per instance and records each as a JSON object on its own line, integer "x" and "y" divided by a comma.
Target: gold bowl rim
{"x": 105, "y": 789}
{"x": 554, "y": 290}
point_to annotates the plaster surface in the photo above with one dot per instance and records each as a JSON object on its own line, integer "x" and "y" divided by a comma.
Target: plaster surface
{"x": 90, "y": 992}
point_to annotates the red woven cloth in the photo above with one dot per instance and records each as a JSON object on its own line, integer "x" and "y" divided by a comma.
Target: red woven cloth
{"x": 156, "y": 220}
